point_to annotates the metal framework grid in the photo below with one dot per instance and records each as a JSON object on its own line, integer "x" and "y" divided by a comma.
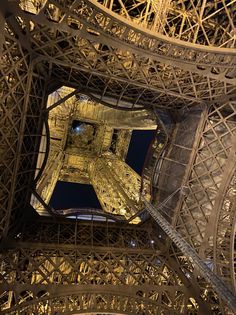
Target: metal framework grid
{"x": 109, "y": 57}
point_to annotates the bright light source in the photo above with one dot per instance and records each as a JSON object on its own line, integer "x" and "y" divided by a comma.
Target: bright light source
{"x": 78, "y": 129}
{"x": 132, "y": 243}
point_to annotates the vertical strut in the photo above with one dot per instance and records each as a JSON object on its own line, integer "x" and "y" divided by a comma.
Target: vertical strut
{"x": 2, "y": 38}
{"x": 218, "y": 285}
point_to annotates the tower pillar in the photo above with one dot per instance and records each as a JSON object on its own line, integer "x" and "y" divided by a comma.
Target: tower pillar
{"x": 117, "y": 186}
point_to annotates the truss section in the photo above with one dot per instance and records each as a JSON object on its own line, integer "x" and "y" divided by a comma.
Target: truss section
{"x": 106, "y": 54}
{"x": 177, "y": 142}
{"x": 75, "y": 261}
{"x": 201, "y": 216}
{"x": 117, "y": 186}
{"x": 206, "y": 217}
{"x": 201, "y": 22}
{"x": 217, "y": 283}
{"x": 22, "y": 89}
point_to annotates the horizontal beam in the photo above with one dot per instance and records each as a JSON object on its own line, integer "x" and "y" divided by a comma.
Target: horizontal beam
{"x": 7, "y": 244}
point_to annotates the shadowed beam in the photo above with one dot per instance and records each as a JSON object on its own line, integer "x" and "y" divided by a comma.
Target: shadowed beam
{"x": 63, "y": 99}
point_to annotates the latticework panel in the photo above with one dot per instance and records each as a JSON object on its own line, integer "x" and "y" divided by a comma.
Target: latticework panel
{"x": 224, "y": 238}
{"x": 20, "y": 127}
{"x": 117, "y": 185}
{"x": 201, "y": 22}
{"x": 114, "y": 60}
{"x": 74, "y": 260}
{"x": 91, "y": 303}
{"x": 74, "y": 232}
{"x": 205, "y": 220}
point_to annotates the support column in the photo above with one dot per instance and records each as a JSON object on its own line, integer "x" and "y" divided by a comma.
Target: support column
{"x": 48, "y": 181}
{"x": 117, "y": 186}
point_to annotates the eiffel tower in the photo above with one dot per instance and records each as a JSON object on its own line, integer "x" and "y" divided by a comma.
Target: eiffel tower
{"x": 78, "y": 78}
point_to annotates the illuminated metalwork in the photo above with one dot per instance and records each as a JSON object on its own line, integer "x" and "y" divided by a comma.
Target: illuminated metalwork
{"x": 188, "y": 251}
{"x": 64, "y": 266}
{"x": 22, "y": 99}
{"x": 176, "y": 58}
{"x": 117, "y": 186}
{"x": 201, "y": 22}
{"x": 85, "y": 147}
{"x": 121, "y": 63}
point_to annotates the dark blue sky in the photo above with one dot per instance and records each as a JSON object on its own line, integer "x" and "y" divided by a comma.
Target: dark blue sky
{"x": 138, "y": 148}
{"x": 71, "y": 195}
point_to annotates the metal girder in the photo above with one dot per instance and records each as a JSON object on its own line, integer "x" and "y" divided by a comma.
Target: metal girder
{"x": 202, "y": 22}
{"x": 218, "y": 285}
{"x": 22, "y": 93}
{"x": 49, "y": 259}
{"x": 117, "y": 186}
{"x": 97, "y": 64}
{"x": 205, "y": 216}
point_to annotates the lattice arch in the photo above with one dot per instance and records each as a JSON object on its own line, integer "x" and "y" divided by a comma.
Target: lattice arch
{"x": 96, "y": 303}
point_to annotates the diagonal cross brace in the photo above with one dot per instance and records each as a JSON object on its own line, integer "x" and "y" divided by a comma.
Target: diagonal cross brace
{"x": 218, "y": 285}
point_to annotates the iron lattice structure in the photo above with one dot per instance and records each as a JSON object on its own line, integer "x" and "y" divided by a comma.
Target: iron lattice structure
{"x": 94, "y": 267}
{"x": 174, "y": 57}
{"x": 88, "y": 145}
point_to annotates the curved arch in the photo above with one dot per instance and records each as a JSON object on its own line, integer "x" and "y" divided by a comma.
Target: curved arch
{"x": 87, "y": 211}
{"x": 45, "y": 159}
{"x": 165, "y": 17}
{"x": 91, "y": 302}
{"x": 149, "y": 32}
{"x": 224, "y": 233}
{"x": 93, "y": 4}
{"x": 95, "y": 20}
{"x": 100, "y": 66}
{"x": 108, "y": 104}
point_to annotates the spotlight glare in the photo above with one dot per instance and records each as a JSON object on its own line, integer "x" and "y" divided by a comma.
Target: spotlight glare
{"x": 77, "y": 129}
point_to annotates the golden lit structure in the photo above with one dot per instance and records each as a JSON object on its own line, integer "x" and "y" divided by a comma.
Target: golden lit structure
{"x": 133, "y": 60}
{"x": 88, "y": 145}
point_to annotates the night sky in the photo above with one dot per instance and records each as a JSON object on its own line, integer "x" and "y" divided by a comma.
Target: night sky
{"x": 71, "y": 195}
{"x": 138, "y": 148}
